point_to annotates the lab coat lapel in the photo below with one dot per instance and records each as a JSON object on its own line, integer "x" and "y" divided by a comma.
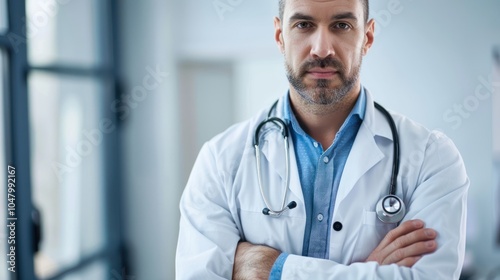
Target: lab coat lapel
{"x": 365, "y": 152}
{"x": 273, "y": 151}
{"x": 295, "y": 185}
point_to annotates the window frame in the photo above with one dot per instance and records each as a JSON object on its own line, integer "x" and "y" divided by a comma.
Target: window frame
{"x": 17, "y": 141}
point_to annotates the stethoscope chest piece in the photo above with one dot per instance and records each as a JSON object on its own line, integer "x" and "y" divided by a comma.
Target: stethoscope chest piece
{"x": 390, "y": 209}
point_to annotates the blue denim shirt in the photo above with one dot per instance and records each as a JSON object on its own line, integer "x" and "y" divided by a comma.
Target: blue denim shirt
{"x": 320, "y": 172}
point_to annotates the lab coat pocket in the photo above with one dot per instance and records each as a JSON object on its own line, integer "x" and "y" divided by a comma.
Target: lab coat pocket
{"x": 284, "y": 233}
{"x": 371, "y": 232}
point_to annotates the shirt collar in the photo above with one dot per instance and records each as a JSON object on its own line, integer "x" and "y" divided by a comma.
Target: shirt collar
{"x": 358, "y": 110}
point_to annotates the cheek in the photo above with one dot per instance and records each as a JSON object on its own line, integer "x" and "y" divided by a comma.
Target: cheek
{"x": 291, "y": 62}
{"x": 291, "y": 57}
{"x": 350, "y": 55}
{"x": 296, "y": 52}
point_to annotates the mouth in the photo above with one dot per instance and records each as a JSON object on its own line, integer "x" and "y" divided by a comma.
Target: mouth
{"x": 322, "y": 73}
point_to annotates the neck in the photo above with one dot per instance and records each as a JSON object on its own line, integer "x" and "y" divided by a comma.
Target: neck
{"x": 322, "y": 122}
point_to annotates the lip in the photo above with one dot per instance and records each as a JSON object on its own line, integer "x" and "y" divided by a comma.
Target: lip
{"x": 322, "y": 73}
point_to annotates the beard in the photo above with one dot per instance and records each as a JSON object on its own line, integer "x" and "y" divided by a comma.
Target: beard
{"x": 322, "y": 93}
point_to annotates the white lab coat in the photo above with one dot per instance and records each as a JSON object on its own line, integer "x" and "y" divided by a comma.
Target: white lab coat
{"x": 222, "y": 205}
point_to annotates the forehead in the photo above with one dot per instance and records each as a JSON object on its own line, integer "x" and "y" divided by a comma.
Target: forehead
{"x": 323, "y": 8}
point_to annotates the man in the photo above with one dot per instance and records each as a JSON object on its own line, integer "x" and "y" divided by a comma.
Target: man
{"x": 341, "y": 160}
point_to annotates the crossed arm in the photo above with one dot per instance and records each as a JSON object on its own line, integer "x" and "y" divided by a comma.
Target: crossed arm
{"x": 403, "y": 246}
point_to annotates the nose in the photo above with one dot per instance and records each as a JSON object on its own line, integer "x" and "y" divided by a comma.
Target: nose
{"x": 322, "y": 44}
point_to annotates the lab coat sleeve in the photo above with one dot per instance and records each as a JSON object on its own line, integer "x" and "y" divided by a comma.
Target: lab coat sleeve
{"x": 208, "y": 235}
{"x": 439, "y": 198}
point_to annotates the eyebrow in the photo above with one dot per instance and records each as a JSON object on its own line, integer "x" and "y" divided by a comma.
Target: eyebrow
{"x": 300, "y": 16}
{"x": 346, "y": 15}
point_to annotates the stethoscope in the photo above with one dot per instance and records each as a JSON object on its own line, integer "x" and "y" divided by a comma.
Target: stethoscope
{"x": 389, "y": 209}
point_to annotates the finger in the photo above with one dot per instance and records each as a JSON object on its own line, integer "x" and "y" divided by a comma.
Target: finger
{"x": 414, "y": 250}
{"x": 401, "y": 230}
{"x": 396, "y": 239}
{"x": 409, "y": 262}
{"x": 392, "y": 252}
{"x": 413, "y": 237}
{"x": 381, "y": 251}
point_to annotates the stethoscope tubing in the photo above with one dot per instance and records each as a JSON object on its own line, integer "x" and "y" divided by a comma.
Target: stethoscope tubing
{"x": 395, "y": 136}
{"x": 385, "y": 215}
{"x": 287, "y": 179}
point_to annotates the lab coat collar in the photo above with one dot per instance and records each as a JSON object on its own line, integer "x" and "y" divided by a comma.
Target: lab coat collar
{"x": 374, "y": 120}
{"x": 364, "y": 154}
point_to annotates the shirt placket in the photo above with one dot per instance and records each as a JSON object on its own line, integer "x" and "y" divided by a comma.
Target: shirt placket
{"x": 323, "y": 185}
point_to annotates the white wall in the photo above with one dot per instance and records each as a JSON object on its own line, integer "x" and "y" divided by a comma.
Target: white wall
{"x": 203, "y": 85}
{"x": 151, "y": 159}
{"x": 259, "y": 83}
{"x": 240, "y": 30}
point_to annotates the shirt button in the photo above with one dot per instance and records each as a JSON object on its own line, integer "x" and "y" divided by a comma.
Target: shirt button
{"x": 325, "y": 159}
{"x": 315, "y": 144}
{"x": 337, "y": 226}
{"x": 320, "y": 217}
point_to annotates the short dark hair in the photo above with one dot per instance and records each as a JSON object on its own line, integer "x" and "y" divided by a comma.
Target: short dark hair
{"x": 366, "y": 9}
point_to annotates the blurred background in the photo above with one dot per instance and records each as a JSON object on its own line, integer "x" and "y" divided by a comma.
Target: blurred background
{"x": 106, "y": 103}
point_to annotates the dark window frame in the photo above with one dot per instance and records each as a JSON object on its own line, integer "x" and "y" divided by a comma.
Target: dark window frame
{"x": 18, "y": 144}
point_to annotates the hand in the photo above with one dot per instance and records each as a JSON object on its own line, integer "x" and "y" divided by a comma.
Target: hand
{"x": 253, "y": 261}
{"x": 405, "y": 245}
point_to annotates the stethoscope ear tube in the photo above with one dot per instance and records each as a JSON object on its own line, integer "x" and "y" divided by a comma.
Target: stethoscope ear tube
{"x": 284, "y": 132}
{"x": 389, "y": 209}
{"x": 277, "y": 121}
{"x": 268, "y": 212}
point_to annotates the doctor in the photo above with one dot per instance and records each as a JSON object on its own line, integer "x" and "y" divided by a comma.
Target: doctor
{"x": 337, "y": 168}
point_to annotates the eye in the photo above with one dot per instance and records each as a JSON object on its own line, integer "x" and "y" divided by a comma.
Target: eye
{"x": 342, "y": 26}
{"x": 303, "y": 25}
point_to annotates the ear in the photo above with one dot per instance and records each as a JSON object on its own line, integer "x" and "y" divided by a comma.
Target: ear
{"x": 278, "y": 34}
{"x": 369, "y": 36}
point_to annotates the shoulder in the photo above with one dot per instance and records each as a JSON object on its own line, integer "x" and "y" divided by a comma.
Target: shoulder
{"x": 426, "y": 151}
{"x": 411, "y": 131}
